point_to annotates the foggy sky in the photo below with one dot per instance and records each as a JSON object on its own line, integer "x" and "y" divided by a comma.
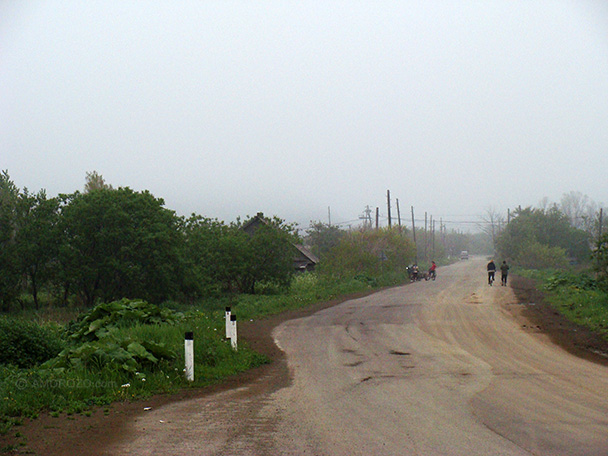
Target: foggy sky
{"x": 228, "y": 108}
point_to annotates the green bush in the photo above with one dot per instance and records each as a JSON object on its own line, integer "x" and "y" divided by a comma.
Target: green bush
{"x": 534, "y": 255}
{"x": 569, "y": 279}
{"x": 368, "y": 253}
{"x": 103, "y": 318}
{"x": 26, "y": 344}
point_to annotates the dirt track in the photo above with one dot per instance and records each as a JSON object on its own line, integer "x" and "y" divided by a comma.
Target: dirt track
{"x": 451, "y": 367}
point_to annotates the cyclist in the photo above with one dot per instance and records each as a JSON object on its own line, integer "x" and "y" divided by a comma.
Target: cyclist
{"x": 414, "y": 275}
{"x": 491, "y": 272}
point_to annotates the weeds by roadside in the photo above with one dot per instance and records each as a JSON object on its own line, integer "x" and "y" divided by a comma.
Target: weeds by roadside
{"x": 577, "y": 296}
{"x": 129, "y": 349}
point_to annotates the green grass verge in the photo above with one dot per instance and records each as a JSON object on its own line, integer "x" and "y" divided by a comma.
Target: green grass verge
{"x": 28, "y": 392}
{"x": 576, "y": 296}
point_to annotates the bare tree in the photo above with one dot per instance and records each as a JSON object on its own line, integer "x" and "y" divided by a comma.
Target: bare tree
{"x": 580, "y": 209}
{"x": 492, "y": 223}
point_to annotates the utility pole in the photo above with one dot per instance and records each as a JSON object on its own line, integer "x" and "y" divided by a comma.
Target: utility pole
{"x": 426, "y": 236}
{"x": 414, "y": 231}
{"x": 431, "y": 239}
{"x": 367, "y": 217}
{"x": 434, "y": 221}
{"x": 388, "y": 202}
{"x": 377, "y": 216}
{"x": 398, "y": 214}
{"x": 442, "y": 231}
{"x": 508, "y": 216}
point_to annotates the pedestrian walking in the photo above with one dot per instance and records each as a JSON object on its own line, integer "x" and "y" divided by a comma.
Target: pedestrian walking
{"x": 504, "y": 272}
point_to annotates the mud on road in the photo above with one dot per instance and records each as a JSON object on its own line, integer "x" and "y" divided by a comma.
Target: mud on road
{"x": 104, "y": 433}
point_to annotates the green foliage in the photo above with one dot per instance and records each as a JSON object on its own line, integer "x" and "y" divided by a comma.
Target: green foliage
{"x": 600, "y": 260}
{"x": 130, "y": 362}
{"x": 239, "y": 256}
{"x": 111, "y": 353}
{"x": 9, "y": 267}
{"x": 25, "y": 343}
{"x": 369, "y": 253}
{"x": 323, "y": 238}
{"x": 211, "y": 254}
{"x": 135, "y": 358}
{"x": 568, "y": 279}
{"x": 268, "y": 253}
{"x": 538, "y": 238}
{"x": 579, "y": 297}
{"x": 119, "y": 243}
{"x": 98, "y": 322}
{"x": 37, "y": 239}
{"x": 102, "y": 346}
{"x": 534, "y": 255}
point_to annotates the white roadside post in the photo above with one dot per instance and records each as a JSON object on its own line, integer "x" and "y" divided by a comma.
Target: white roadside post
{"x": 189, "y": 351}
{"x": 233, "y": 332}
{"x": 228, "y": 325}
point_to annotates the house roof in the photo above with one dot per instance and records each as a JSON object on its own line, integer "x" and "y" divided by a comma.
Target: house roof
{"x": 259, "y": 218}
{"x": 307, "y": 253}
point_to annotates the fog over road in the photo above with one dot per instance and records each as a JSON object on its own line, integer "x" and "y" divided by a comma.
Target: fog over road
{"x": 432, "y": 368}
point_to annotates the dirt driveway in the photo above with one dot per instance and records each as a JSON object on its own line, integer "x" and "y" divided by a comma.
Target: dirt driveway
{"x": 452, "y": 367}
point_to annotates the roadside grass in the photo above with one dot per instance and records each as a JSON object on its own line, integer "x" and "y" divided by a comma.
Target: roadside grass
{"x": 24, "y": 393}
{"x": 306, "y": 289}
{"x": 27, "y": 392}
{"x": 576, "y": 296}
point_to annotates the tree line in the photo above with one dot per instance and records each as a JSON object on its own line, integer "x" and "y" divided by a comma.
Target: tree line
{"x": 106, "y": 244}
{"x": 549, "y": 237}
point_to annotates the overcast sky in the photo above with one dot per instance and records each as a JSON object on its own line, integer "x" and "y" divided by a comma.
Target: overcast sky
{"x": 228, "y": 108}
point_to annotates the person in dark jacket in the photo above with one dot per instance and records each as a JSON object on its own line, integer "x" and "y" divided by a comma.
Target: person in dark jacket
{"x": 504, "y": 272}
{"x": 491, "y": 272}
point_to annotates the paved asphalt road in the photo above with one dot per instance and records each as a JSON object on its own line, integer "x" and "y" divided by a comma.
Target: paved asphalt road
{"x": 432, "y": 368}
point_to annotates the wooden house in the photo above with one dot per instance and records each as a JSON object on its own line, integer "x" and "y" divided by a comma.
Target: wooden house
{"x": 303, "y": 259}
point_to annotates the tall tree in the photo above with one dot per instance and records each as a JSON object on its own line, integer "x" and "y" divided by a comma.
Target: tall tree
{"x": 9, "y": 269}
{"x": 120, "y": 243}
{"x": 37, "y": 239}
{"x": 214, "y": 254}
{"x": 323, "y": 237}
{"x": 95, "y": 181}
{"x": 600, "y": 259}
{"x": 268, "y": 253}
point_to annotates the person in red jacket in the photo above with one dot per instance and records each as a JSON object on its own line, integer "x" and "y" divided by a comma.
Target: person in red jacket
{"x": 432, "y": 272}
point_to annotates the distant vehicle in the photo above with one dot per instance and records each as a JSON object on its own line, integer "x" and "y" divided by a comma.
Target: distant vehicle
{"x": 464, "y": 255}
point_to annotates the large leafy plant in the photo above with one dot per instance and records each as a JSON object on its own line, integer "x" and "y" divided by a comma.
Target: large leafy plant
{"x": 103, "y": 318}
{"x": 97, "y": 345}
